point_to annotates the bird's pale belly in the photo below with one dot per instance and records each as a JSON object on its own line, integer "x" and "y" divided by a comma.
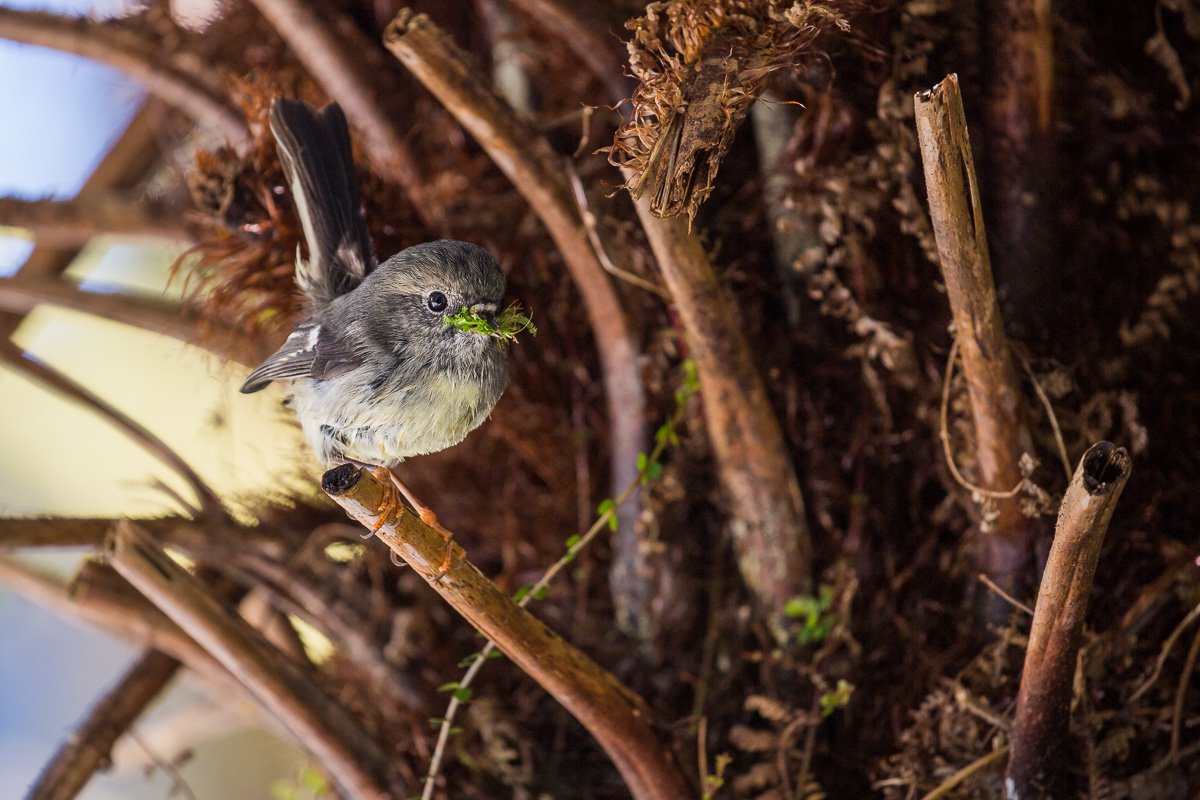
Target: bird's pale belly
{"x": 343, "y": 421}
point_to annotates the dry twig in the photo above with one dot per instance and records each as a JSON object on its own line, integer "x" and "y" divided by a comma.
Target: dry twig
{"x": 617, "y": 718}
{"x": 1039, "y": 730}
{"x": 1001, "y": 436}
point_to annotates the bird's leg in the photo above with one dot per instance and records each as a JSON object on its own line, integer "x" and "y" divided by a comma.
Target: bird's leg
{"x": 429, "y": 518}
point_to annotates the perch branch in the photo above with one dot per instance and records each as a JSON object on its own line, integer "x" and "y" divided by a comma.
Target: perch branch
{"x": 769, "y": 529}
{"x": 183, "y": 80}
{"x": 1001, "y": 436}
{"x": 616, "y": 717}
{"x": 1039, "y": 731}
{"x": 333, "y": 737}
{"x": 540, "y": 175}
{"x": 352, "y": 71}
{"x": 50, "y": 378}
{"x": 22, "y": 295}
{"x": 72, "y": 223}
{"x": 89, "y": 747}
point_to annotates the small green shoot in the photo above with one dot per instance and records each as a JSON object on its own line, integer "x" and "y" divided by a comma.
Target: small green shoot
{"x": 509, "y": 322}
{"x": 813, "y": 613}
{"x": 840, "y": 696}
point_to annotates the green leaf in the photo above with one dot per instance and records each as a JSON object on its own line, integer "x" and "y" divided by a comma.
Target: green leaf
{"x": 463, "y": 695}
{"x": 541, "y": 593}
{"x": 572, "y": 540}
{"x": 448, "y": 687}
{"x": 642, "y": 460}
{"x": 522, "y": 593}
{"x": 468, "y": 661}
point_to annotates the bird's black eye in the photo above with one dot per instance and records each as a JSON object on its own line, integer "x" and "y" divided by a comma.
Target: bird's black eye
{"x": 437, "y": 301}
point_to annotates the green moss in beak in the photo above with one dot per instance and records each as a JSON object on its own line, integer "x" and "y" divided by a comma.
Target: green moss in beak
{"x": 507, "y": 324}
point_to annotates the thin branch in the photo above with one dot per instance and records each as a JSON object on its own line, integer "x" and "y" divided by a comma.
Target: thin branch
{"x": 319, "y": 723}
{"x": 50, "y": 378}
{"x": 351, "y": 70}
{"x": 976, "y": 766}
{"x": 1039, "y": 732}
{"x": 22, "y": 295}
{"x": 207, "y": 540}
{"x": 769, "y": 529}
{"x": 72, "y": 223}
{"x": 89, "y": 747}
{"x": 616, "y": 717}
{"x": 1001, "y": 435}
{"x": 185, "y": 81}
{"x": 540, "y": 175}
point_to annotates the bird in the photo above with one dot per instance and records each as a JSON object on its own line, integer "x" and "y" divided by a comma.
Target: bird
{"x": 374, "y": 370}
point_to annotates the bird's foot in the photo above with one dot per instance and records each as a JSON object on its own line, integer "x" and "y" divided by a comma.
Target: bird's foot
{"x": 390, "y": 502}
{"x": 428, "y": 517}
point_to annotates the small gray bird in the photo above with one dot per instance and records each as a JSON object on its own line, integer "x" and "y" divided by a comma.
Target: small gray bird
{"x": 377, "y": 374}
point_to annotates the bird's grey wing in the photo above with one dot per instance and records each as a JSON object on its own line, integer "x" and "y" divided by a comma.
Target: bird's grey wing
{"x": 314, "y": 149}
{"x": 310, "y": 351}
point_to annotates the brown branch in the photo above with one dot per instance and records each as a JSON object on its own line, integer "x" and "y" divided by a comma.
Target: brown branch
{"x": 615, "y": 716}
{"x": 332, "y": 736}
{"x": 600, "y": 54}
{"x": 541, "y": 176}
{"x": 351, "y": 70}
{"x": 72, "y": 223}
{"x": 89, "y": 747}
{"x": 1001, "y": 436}
{"x": 50, "y": 378}
{"x": 22, "y": 295}
{"x": 210, "y": 540}
{"x": 1039, "y": 733}
{"x": 185, "y": 81}
{"x": 769, "y": 529}
{"x": 1018, "y": 79}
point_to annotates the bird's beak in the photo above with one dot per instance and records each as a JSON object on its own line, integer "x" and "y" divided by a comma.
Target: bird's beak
{"x": 487, "y": 311}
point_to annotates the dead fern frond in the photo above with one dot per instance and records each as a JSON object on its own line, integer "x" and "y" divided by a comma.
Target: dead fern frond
{"x": 701, "y": 66}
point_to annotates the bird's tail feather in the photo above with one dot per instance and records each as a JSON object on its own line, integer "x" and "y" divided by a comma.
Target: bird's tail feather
{"x": 314, "y": 148}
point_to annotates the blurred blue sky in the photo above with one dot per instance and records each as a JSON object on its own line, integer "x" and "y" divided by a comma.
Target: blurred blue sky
{"x": 63, "y": 113}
